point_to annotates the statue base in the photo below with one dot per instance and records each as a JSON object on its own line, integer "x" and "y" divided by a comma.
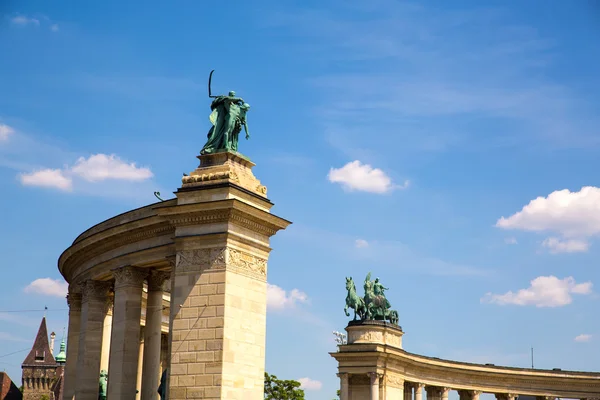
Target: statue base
{"x": 224, "y": 168}
{"x": 375, "y": 332}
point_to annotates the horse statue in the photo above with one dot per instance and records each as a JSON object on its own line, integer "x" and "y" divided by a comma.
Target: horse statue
{"x": 354, "y": 301}
{"x": 378, "y": 307}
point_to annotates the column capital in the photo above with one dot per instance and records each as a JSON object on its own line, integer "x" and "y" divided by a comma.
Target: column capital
{"x": 374, "y": 377}
{"x": 342, "y": 375}
{"x": 156, "y": 280}
{"x": 418, "y": 385}
{"x": 128, "y": 276}
{"x": 94, "y": 290}
{"x": 109, "y": 304}
{"x": 74, "y": 301}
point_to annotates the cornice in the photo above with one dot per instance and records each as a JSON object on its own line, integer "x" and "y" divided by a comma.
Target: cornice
{"x": 88, "y": 248}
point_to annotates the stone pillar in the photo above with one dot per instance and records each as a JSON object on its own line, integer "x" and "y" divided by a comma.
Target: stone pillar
{"x": 70, "y": 377}
{"x": 138, "y": 381}
{"x": 445, "y": 392}
{"x": 107, "y": 333}
{"x": 510, "y": 396}
{"x": 408, "y": 391}
{"x": 219, "y": 283}
{"x": 470, "y": 395}
{"x": 419, "y": 390}
{"x": 90, "y": 339}
{"x": 374, "y": 376}
{"x": 344, "y": 395}
{"x": 152, "y": 336}
{"x": 124, "y": 346}
{"x": 433, "y": 392}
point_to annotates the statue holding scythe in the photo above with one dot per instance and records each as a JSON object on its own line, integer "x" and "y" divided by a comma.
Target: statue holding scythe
{"x": 228, "y": 117}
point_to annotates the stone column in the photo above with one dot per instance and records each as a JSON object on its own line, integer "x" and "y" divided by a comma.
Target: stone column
{"x": 445, "y": 392}
{"x": 344, "y": 395}
{"x": 433, "y": 392}
{"x": 510, "y": 396}
{"x": 90, "y": 339}
{"x": 138, "y": 381}
{"x": 374, "y": 385}
{"x": 124, "y": 346}
{"x": 408, "y": 388}
{"x": 419, "y": 390}
{"x": 74, "y": 301}
{"x": 470, "y": 394}
{"x": 107, "y": 333}
{"x": 152, "y": 336}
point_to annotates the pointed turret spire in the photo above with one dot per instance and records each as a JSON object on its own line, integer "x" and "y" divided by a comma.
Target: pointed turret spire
{"x": 40, "y": 353}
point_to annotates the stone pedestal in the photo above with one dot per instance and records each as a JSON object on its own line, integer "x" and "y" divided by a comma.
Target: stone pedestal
{"x": 218, "y": 285}
{"x": 375, "y": 332}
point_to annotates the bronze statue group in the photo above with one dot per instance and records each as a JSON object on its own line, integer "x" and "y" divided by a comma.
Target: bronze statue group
{"x": 373, "y": 306}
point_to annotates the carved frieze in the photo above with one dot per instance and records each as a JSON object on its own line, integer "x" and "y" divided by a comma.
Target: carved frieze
{"x": 129, "y": 276}
{"x": 199, "y": 260}
{"x": 365, "y": 336}
{"x": 394, "y": 380}
{"x": 219, "y": 258}
{"x": 247, "y": 263}
{"x": 213, "y": 176}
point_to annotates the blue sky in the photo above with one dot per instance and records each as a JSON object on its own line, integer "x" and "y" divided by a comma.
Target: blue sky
{"x": 449, "y": 148}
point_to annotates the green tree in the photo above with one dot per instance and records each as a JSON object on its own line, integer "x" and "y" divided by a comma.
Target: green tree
{"x": 276, "y": 389}
{"x": 338, "y": 394}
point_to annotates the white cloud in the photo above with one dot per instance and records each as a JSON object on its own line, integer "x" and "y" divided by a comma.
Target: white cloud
{"x": 96, "y": 168}
{"x": 54, "y": 27}
{"x": 279, "y": 299}
{"x": 5, "y": 132}
{"x": 556, "y": 245}
{"x": 545, "y": 291}
{"x": 22, "y": 20}
{"x": 48, "y": 287}
{"x": 584, "y": 337}
{"x": 572, "y": 214}
{"x": 310, "y": 384}
{"x": 362, "y": 177}
{"x": 54, "y": 178}
{"x": 99, "y": 167}
{"x": 510, "y": 240}
{"x": 361, "y": 243}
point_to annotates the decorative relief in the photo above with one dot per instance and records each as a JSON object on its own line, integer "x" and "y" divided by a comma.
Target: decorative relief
{"x": 394, "y": 380}
{"x": 247, "y": 262}
{"x": 96, "y": 290}
{"x": 128, "y": 276}
{"x": 201, "y": 259}
{"x": 156, "y": 280}
{"x": 213, "y": 176}
{"x": 365, "y": 336}
{"x": 74, "y": 301}
{"x": 261, "y": 189}
{"x": 392, "y": 340}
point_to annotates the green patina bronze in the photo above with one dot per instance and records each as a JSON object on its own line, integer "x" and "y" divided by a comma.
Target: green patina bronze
{"x": 228, "y": 117}
{"x": 103, "y": 385}
{"x": 374, "y": 305}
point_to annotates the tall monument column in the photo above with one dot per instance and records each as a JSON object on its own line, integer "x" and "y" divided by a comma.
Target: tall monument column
{"x": 218, "y": 284}
{"x": 74, "y": 301}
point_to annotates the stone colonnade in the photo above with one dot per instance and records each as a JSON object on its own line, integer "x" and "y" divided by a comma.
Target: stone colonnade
{"x": 105, "y": 333}
{"x": 377, "y": 386}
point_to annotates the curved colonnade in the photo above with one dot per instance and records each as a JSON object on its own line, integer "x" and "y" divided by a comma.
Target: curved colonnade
{"x": 374, "y": 366}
